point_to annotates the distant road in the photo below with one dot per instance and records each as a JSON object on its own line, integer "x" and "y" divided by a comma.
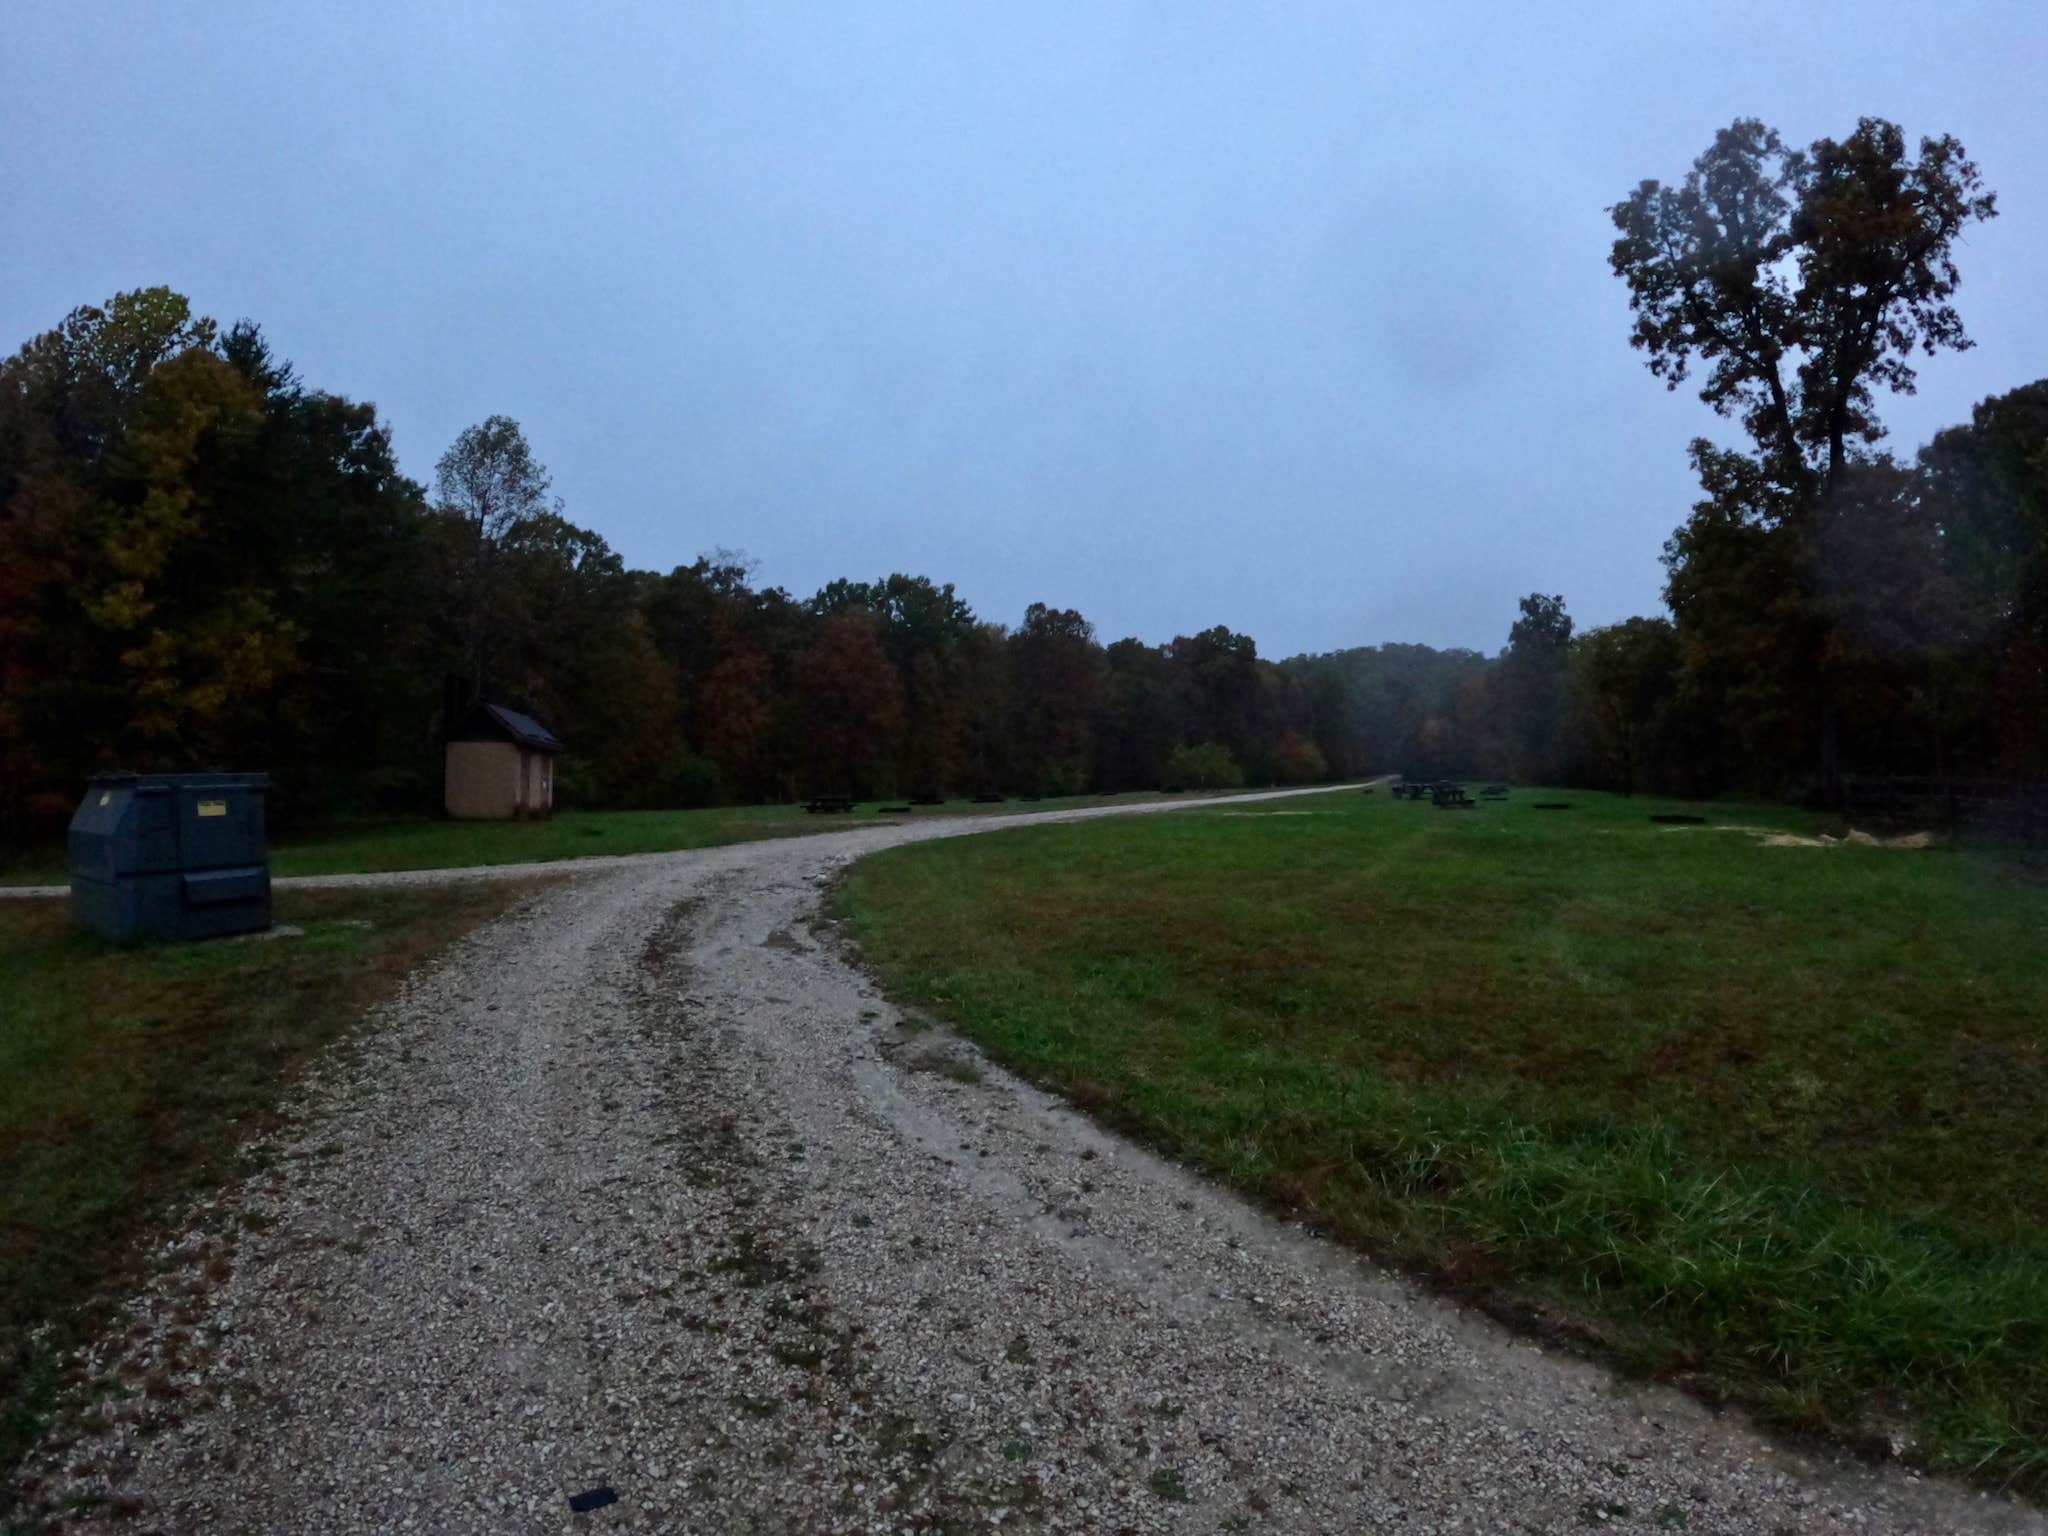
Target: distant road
{"x": 943, "y": 826}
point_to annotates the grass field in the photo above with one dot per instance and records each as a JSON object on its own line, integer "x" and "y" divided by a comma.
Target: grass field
{"x": 435, "y": 843}
{"x": 1771, "y": 1122}
{"x": 128, "y": 1079}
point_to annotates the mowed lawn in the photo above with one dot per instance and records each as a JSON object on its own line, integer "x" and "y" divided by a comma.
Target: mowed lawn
{"x": 1771, "y": 1122}
{"x": 421, "y": 842}
{"x": 129, "y": 1079}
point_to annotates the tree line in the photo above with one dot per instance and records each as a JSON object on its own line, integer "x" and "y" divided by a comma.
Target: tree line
{"x": 204, "y": 561}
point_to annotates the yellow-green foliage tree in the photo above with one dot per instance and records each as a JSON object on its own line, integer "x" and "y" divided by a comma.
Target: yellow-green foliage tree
{"x": 206, "y": 565}
{"x": 114, "y": 421}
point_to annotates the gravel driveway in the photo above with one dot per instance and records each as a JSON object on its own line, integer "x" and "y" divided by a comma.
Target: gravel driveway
{"x": 644, "y": 1189}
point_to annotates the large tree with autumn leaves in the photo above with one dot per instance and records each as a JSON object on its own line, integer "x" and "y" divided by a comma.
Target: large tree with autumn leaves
{"x": 139, "y": 630}
{"x": 1804, "y": 281}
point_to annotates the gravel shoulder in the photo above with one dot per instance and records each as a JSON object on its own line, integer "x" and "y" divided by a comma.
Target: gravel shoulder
{"x": 644, "y": 1188}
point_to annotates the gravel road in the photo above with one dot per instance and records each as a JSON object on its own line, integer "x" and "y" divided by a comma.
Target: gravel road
{"x": 644, "y": 1189}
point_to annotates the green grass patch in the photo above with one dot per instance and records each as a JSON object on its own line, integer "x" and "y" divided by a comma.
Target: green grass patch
{"x": 421, "y": 842}
{"x": 1771, "y": 1122}
{"x": 129, "y": 1078}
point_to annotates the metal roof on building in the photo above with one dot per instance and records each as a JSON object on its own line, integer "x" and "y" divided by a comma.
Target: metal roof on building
{"x": 491, "y": 722}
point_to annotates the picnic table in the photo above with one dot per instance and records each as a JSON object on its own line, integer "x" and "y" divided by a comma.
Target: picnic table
{"x": 1445, "y": 793}
{"x": 829, "y": 805}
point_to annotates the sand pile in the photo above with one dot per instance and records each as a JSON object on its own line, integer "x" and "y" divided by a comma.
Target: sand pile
{"x": 1855, "y": 838}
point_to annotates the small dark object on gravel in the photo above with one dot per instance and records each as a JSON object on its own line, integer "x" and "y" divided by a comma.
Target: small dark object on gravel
{"x": 1673, "y": 819}
{"x": 1550, "y": 805}
{"x": 596, "y": 1498}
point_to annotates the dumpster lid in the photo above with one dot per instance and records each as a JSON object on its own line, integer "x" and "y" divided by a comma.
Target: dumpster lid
{"x": 182, "y": 780}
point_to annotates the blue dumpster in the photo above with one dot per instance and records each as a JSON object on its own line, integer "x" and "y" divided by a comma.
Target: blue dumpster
{"x": 171, "y": 856}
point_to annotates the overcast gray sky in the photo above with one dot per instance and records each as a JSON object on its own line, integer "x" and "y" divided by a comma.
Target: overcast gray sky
{"x": 1290, "y": 317}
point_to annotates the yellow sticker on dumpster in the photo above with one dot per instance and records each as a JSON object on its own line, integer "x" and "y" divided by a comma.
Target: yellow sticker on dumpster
{"x": 213, "y": 807}
{"x": 106, "y": 795}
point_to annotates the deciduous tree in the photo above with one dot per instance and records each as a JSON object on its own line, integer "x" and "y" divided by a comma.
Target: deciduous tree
{"x": 1626, "y": 676}
{"x": 489, "y": 486}
{"x": 1531, "y": 688}
{"x": 853, "y": 704}
{"x": 1805, "y": 281}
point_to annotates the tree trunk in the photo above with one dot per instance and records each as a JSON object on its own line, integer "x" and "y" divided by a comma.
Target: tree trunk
{"x": 1830, "y": 749}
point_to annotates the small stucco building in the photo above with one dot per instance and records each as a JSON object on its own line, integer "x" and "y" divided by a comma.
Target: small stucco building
{"x": 501, "y": 766}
